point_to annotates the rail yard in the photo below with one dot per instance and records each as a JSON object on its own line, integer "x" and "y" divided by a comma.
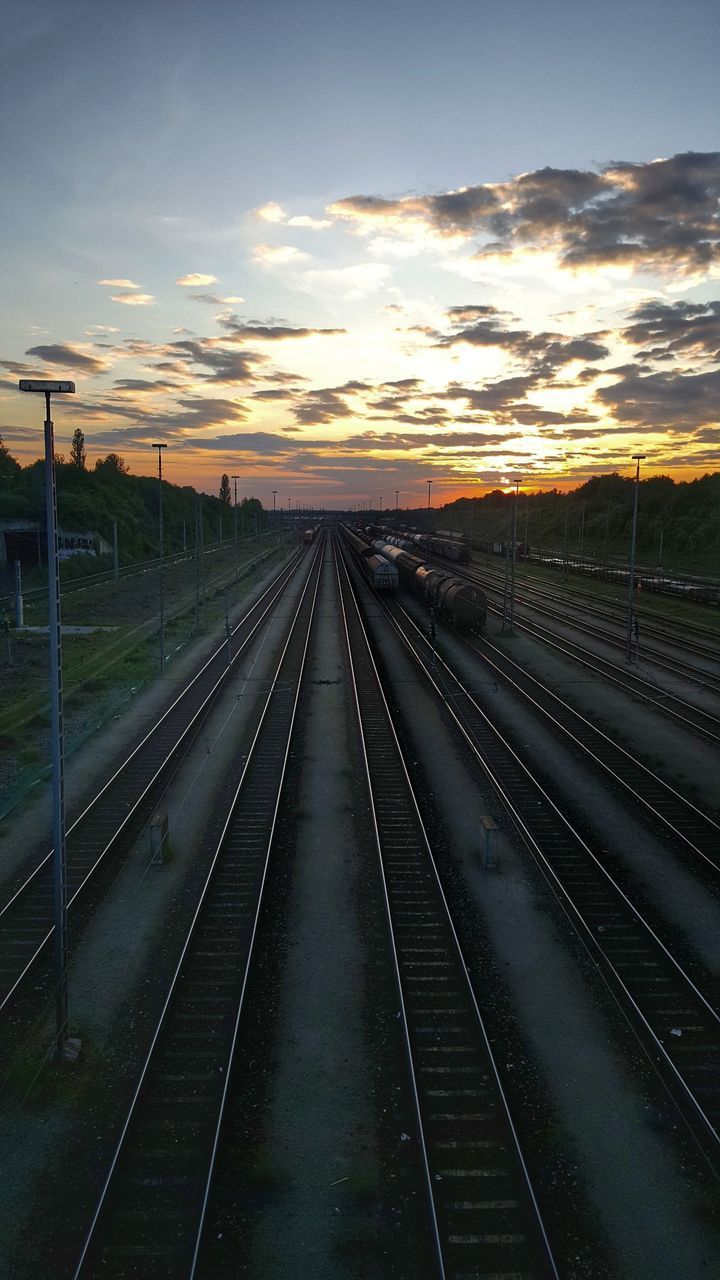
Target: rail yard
{"x": 394, "y": 939}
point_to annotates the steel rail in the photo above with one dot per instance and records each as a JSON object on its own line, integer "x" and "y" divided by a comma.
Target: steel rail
{"x": 660, "y": 700}
{"x": 117, "y": 648}
{"x": 575, "y": 593}
{"x": 86, "y": 850}
{"x": 218, "y": 909}
{"x": 675, "y": 666}
{"x": 595, "y": 740}
{"x": 467, "y": 1240}
{"x": 561, "y": 853}
{"x": 617, "y": 615}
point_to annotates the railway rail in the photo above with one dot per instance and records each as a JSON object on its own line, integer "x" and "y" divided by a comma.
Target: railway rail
{"x": 117, "y": 810}
{"x": 151, "y": 1212}
{"x": 674, "y": 666}
{"x": 674, "y": 1020}
{"x": 484, "y": 1213}
{"x": 696, "y": 830}
{"x": 668, "y": 704}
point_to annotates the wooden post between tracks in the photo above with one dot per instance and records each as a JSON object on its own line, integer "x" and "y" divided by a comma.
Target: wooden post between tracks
{"x": 488, "y": 853}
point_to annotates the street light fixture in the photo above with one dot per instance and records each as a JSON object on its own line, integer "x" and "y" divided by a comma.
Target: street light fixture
{"x": 48, "y": 388}
{"x": 638, "y": 458}
{"x": 160, "y": 448}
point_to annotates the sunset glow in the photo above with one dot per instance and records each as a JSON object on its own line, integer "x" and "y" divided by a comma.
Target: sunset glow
{"x": 330, "y": 338}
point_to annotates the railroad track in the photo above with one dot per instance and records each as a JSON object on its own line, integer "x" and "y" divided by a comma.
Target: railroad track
{"x": 692, "y": 638}
{"x": 697, "y": 831}
{"x": 674, "y": 666}
{"x": 668, "y": 704}
{"x": 150, "y": 1217}
{"x": 674, "y": 1021}
{"x": 116, "y": 813}
{"x": 484, "y": 1215}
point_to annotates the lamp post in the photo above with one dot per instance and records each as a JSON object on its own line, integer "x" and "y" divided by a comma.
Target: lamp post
{"x": 160, "y": 448}
{"x": 235, "y": 480}
{"x": 429, "y": 483}
{"x": 47, "y": 388}
{"x": 397, "y": 495}
{"x": 638, "y": 458}
{"x": 274, "y": 497}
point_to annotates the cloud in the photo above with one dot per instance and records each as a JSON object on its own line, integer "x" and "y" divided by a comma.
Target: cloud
{"x": 546, "y": 350}
{"x": 659, "y": 216}
{"x": 68, "y": 358}
{"x": 134, "y": 299}
{"x": 271, "y": 212}
{"x": 665, "y": 330}
{"x": 224, "y": 365}
{"x": 664, "y": 401}
{"x": 277, "y": 255}
{"x": 196, "y": 278}
{"x": 271, "y": 332}
{"x": 313, "y": 224}
{"x": 120, "y": 284}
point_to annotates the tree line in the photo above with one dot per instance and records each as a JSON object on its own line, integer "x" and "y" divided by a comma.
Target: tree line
{"x": 93, "y": 498}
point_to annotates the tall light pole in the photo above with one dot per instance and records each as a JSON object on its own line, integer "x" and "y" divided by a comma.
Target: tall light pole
{"x": 638, "y": 458}
{"x": 397, "y": 495}
{"x": 47, "y": 388}
{"x": 235, "y": 480}
{"x": 517, "y": 483}
{"x": 160, "y": 448}
{"x": 274, "y": 497}
{"x": 428, "y": 515}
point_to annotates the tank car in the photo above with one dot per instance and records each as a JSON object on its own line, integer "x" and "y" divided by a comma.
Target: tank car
{"x": 460, "y": 602}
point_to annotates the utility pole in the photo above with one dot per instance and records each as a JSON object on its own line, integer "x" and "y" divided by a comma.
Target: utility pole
{"x": 512, "y": 562}
{"x": 235, "y": 480}
{"x": 638, "y": 458}
{"x": 527, "y": 519}
{"x": 582, "y": 525}
{"x": 116, "y": 558}
{"x": 184, "y": 536}
{"x": 566, "y": 545}
{"x": 397, "y": 495}
{"x": 160, "y": 448}
{"x": 607, "y": 537}
{"x": 46, "y": 388}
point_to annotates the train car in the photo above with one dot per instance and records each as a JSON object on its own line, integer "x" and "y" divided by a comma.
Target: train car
{"x": 499, "y": 548}
{"x": 381, "y": 574}
{"x": 460, "y": 602}
{"x": 308, "y": 536}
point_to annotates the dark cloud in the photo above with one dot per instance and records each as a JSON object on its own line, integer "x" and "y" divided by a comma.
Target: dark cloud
{"x": 143, "y": 384}
{"x": 664, "y": 401}
{"x": 67, "y": 357}
{"x": 545, "y": 351}
{"x": 241, "y": 330}
{"x": 664, "y": 330}
{"x": 224, "y": 365}
{"x": 660, "y": 215}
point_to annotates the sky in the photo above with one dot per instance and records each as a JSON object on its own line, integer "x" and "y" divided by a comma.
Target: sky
{"x": 340, "y": 249}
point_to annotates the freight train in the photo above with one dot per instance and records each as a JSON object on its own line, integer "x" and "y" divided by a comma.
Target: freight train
{"x": 451, "y": 546}
{"x": 380, "y": 573}
{"x": 460, "y": 602}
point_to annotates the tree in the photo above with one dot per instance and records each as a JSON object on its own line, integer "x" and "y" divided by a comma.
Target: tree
{"x": 114, "y": 463}
{"x": 77, "y": 449}
{"x": 9, "y": 466}
{"x": 225, "y": 489}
